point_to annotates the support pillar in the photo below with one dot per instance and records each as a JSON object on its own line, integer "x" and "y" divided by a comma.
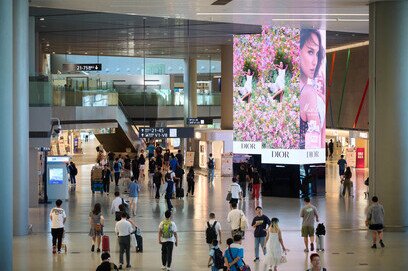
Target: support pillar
{"x": 6, "y": 134}
{"x": 227, "y": 106}
{"x": 190, "y": 88}
{"x": 21, "y": 117}
{"x": 388, "y": 109}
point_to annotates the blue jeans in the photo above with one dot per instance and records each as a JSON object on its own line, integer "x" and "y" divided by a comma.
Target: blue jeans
{"x": 259, "y": 241}
{"x": 210, "y": 174}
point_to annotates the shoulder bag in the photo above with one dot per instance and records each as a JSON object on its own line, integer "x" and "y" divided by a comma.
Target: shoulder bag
{"x": 245, "y": 267}
{"x": 229, "y": 196}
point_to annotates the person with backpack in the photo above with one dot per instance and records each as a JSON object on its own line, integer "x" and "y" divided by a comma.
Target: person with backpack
{"x": 116, "y": 203}
{"x": 96, "y": 221}
{"x": 316, "y": 264}
{"x": 216, "y": 260}
{"x": 173, "y": 163}
{"x": 73, "y": 171}
{"x": 211, "y": 167}
{"x": 117, "y": 167}
{"x": 169, "y": 190}
{"x": 260, "y": 223}
{"x": 190, "y": 181}
{"x": 213, "y": 231}
{"x": 167, "y": 236}
{"x": 375, "y": 221}
{"x": 157, "y": 180}
{"x": 320, "y": 233}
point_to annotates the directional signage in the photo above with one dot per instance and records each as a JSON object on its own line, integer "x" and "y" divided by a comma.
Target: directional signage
{"x": 81, "y": 67}
{"x": 199, "y": 121}
{"x": 164, "y": 132}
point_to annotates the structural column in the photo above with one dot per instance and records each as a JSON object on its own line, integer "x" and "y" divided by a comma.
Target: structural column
{"x": 190, "y": 88}
{"x": 21, "y": 117}
{"x": 388, "y": 109}
{"x": 6, "y": 134}
{"x": 226, "y": 87}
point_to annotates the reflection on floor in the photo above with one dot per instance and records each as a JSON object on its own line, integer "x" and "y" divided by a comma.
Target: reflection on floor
{"x": 347, "y": 244}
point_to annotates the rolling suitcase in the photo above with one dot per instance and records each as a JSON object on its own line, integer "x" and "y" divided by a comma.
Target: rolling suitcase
{"x": 180, "y": 193}
{"x": 105, "y": 244}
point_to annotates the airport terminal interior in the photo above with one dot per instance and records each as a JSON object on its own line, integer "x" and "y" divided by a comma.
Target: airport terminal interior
{"x": 286, "y": 101}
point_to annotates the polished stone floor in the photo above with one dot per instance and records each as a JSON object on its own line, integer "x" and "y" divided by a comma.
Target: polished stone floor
{"x": 347, "y": 243}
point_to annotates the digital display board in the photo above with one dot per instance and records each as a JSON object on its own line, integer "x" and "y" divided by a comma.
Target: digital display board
{"x": 56, "y": 176}
{"x": 163, "y": 132}
{"x": 280, "y": 95}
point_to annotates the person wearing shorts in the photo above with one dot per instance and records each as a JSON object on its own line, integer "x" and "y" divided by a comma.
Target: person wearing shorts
{"x": 375, "y": 221}
{"x": 308, "y": 215}
{"x": 134, "y": 190}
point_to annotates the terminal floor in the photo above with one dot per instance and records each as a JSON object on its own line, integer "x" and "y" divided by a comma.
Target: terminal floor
{"x": 347, "y": 243}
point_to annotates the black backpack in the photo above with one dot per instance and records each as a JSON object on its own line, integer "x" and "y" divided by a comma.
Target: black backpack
{"x": 320, "y": 229}
{"x": 211, "y": 163}
{"x": 218, "y": 259}
{"x": 210, "y": 233}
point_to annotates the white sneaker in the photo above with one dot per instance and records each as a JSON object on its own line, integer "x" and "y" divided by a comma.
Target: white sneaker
{"x": 163, "y": 267}
{"x": 168, "y": 269}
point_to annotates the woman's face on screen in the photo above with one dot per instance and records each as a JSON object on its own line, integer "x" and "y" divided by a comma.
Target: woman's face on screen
{"x": 309, "y": 56}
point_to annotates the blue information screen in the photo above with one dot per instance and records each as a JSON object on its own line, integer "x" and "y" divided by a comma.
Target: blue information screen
{"x": 56, "y": 176}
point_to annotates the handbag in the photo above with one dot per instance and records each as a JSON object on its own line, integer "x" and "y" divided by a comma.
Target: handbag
{"x": 229, "y": 196}
{"x": 133, "y": 242}
{"x": 283, "y": 258}
{"x": 98, "y": 227}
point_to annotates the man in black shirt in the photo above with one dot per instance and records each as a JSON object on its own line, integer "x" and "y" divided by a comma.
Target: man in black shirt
{"x": 260, "y": 223}
{"x": 180, "y": 158}
{"x": 242, "y": 175}
{"x": 106, "y": 265}
{"x": 179, "y": 176}
{"x": 106, "y": 177}
{"x": 157, "y": 180}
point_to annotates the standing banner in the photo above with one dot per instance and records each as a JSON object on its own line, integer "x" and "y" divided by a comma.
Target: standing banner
{"x": 189, "y": 159}
{"x": 226, "y": 164}
{"x": 360, "y": 158}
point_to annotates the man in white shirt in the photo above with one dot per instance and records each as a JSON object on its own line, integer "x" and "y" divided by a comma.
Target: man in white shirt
{"x": 123, "y": 229}
{"x": 234, "y": 218}
{"x": 58, "y": 218}
{"x": 167, "y": 238}
{"x": 116, "y": 202}
{"x": 217, "y": 228}
{"x": 236, "y": 191}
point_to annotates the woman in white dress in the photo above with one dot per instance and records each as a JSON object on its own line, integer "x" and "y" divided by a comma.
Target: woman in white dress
{"x": 277, "y": 88}
{"x": 274, "y": 246}
{"x": 246, "y": 91}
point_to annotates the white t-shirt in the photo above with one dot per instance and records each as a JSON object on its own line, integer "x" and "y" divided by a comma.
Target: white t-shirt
{"x": 234, "y": 218}
{"x": 172, "y": 174}
{"x": 217, "y": 227}
{"x": 57, "y": 218}
{"x": 235, "y": 190}
{"x": 173, "y": 228}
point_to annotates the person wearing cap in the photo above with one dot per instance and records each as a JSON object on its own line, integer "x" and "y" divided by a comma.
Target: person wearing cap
{"x": 106, "y": 265}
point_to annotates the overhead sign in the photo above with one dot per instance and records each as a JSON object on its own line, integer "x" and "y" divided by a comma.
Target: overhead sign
{"x": 81, "y": 67}
{"x": 161, "y": 132}
{"x": 199, "y": 121}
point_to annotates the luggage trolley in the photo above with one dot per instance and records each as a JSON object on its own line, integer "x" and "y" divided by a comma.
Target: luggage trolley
{"x": 96, "y": 179}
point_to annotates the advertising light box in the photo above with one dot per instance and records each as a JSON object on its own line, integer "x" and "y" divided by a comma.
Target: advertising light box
{"x": 280, "y": 95}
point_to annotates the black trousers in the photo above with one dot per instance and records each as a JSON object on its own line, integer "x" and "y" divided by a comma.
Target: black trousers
{"x": 243, "y": 187}
{"x": 106, "y": 186}
{"x": 57, "y": 236}
{"x": 124, "y": 245}
{"x": 167, "y": 253}
{"x": 117, "y": 177}
{"x": 168, "y": 200}
{"x": 191, "y": 188}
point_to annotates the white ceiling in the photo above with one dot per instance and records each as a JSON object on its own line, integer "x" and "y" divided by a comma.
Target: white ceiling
{"x": 335, "y": 15}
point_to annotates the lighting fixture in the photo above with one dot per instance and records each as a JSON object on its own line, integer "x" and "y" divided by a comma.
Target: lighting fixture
{"x": 349, "y": 46}
{"x": 278, "y": 14}
{"x": 42, "y": 19}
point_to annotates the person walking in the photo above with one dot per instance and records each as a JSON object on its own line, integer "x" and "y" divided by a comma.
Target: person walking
{"x": 235, "y": 190}
{"x": 106, "y": 265}
{"x": 347, "y": 183}
{"x": 308, "y": 215}
{"x": 331, "y": 148}
{"x": 375, "y": 221}
{"x": 142, "y": 162}
{"x": 134, "y": 190}
{"x": 135, "y": 168}
{"x": 157, "y": 180}
{"x": 117, "y": 167}
{"x": 169, "y": 190}
{"x": 96, "y": 221}
{"x": 211, "y": 168}
{"x": 180, "y": 158}
{"x": 260, "y": 223}
{"x": 106, "y": 177}
{"x": 167, "y": 236}
{"x": 58, "y": 218}
{"x": 256, "y": 184}
{"x": 179, "y": 173}
{"x": 124, "y": 229}
{"x": 116, "y": 203}
{"x": 73, "y": 171}
{"x": 342, "y": 165}
{"x": 166, "y": 158}
{"x": 242, "y": 179}
{"x": 152, "y": 169}
{"x": 173, "y": 163}
{"x": 316, "y": 263}
{"x": 216, "y": 259}
{"x": 213, "y": 231}
{"x": 190, "y": 181}
{"x": 234, "y": 254}
{"x": 274, "y": 246}
{"x": 235, "y": 219}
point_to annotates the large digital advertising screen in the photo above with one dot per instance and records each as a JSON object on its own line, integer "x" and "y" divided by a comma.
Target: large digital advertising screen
{"x": 280, "y": 95}
{"x": 56, "y": 176}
